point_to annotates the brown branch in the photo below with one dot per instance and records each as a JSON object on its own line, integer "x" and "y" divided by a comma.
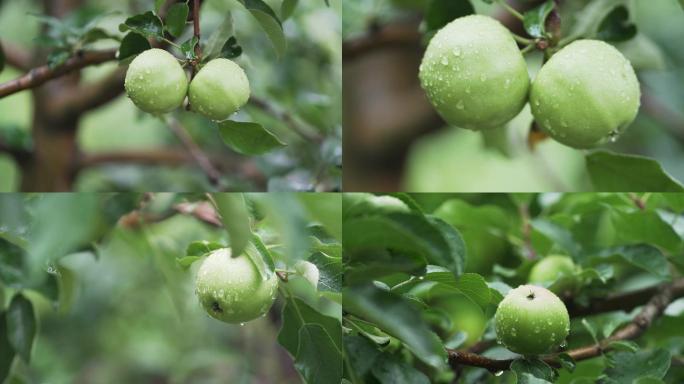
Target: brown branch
{"x": 195, "y": 151}
{"x": 16, "y": 56}
{"x": 196, "y": 34}
{"x": 663, "y": 296}
{"x": 89, "y": 96}
{"x": 289, "y": 120}
{"x": 40, "y": 75}
{"x": 18, "y": 154}
{"x": 202, "y": 211}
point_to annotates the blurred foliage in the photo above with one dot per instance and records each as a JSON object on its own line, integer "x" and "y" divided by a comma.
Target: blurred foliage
{"x": 112, "y": 297}
{"x": 421, "y": 275}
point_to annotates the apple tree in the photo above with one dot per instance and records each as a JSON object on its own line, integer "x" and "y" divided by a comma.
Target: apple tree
{"x": 588, "y": 288}
{"x": 138, "y": 287}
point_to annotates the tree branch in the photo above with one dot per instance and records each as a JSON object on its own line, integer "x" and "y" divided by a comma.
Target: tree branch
{"x": 89, "y": 96}
{"x": 196, "y": 34}
{"x": 16, "y": 56}
{"x": 195, "y": 151}
{"x": 18, "y": 154}
{"x": 40, "y": 75}
{"x": 663, "y": 296}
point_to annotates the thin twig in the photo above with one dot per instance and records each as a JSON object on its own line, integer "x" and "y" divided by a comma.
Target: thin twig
{"x": 40, "y": 75}
{"x": 200, "y": 157}
{"x": 511, "y": 10}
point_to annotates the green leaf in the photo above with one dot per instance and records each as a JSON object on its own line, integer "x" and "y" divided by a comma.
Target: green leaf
{"x": 360, "y": 353}
{"x": 534, "y": 367}
{"x": 21, "y": 326}
{"x": 287, "y": 8}
{"x": 188, "y": 48}
{"x": 11, "y": 264}
{"x": 218, "y": 39}
{"x": 202, "y": 247}
{"x": 248, "y": 138}
{"x": 269, "y": 22}
{"x": 644, "y": 227}
{"x": 131, "y": 45}
{"x": 296, "y": 314}
{"x": 256, "y": 248}
{"x": 330, "y": 269}
{"x": 625, "y": 367}
{"x": 326, "y": 209}
{"x": 616, "y": 26}
{"x": 186, "y": 261}
{"x": 235, "y": 218}
{"x": 410, "y": 234}
{"x": 57, "y": 58}
{"x": 624, "y": 345}
{"x": 147, "y": 24}
{"x": 388, "y": 369}
{"x": 176, "y": 18}
{"x": 611, "y": 172}
{"x": 642, "y": 256}
{"x": 441, "y": 12}
{"x": 231, "y": 49}
{"x": 396, "y": 317}
{"x": 6, "y": 350}
{"x": 318, "y": 358}
{"x": 559, "y": 235}
{"x": 535, "y": 19}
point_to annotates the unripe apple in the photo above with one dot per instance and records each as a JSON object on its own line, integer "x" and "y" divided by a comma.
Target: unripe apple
{"x": 155, "y": 82}
{"x": 531, "y": 320}
{"x": 231, "y": 289}
{"x": 219, "y": 89}
{"x": 465, "y": 316}
{"x": 550, "y": 269}
{"x": 585, "y": 95}
{"x": 474, "y": 73}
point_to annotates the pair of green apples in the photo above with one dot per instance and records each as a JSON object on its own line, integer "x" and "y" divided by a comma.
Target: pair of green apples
{"x": 157, "y": 84}
{"x": 476, "y": 77}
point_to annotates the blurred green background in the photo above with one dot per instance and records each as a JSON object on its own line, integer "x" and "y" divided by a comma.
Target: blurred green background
{"x": 306, "y": 82}
{"x": 395, "y": 141}
{"x": 113, "y": 303}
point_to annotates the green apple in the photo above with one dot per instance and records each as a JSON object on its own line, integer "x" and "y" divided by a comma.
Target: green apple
{"x": 474, "y": 73}
{"x": 586, "y": 94}
{"x": 231, "y": 289}
{"x": 155, "y": 82}
{"x": 465, "y": 316}
{"x": 554, "y": 268}
{"x": 531, "y": 320}
{"x": 481, "y": 228}
{"x": 219, "y": 89}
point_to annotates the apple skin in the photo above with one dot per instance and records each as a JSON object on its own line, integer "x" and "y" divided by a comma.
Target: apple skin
{"x": 155, "y": 82}
{"x": 474, "y": 74}
{"x": 550, "y": 268}
{"x": 219, "y": 89}
{"x": 531, "y": 320}
{"x": 586, "y": 94}
{"x": 231, "y": 289}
